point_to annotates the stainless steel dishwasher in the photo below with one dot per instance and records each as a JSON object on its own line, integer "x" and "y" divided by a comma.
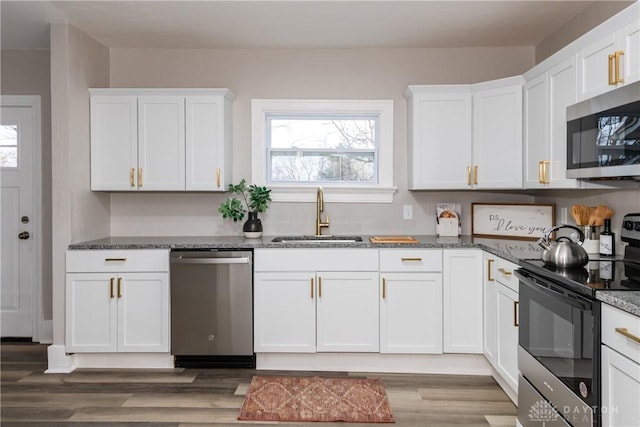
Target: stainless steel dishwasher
{"x": 212, "y": 308}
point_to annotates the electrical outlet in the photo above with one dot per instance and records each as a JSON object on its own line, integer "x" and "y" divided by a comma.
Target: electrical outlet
{"x": 407, "y": 212}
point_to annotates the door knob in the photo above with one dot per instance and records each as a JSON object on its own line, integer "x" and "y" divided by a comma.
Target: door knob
{"x": 24, "y": 235}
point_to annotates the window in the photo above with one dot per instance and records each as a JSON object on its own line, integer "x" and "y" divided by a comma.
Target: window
{"x": 9, "y": 146}
{"x": 344, "y": 146}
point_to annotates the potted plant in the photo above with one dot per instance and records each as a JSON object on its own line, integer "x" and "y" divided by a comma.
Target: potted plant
{"x": 256, "y": 200}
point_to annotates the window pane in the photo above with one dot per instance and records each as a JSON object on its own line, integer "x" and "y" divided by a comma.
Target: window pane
{"x": 323, "y": 132}
{"x": 9, "y": 146}
{"x": 292, "y": 166}
{"x": 9, "y": 157}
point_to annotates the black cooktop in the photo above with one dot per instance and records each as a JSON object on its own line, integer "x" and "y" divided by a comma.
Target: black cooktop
{"x": 603, "y": 274}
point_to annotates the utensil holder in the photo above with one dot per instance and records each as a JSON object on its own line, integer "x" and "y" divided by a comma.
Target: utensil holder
{"x": 591, "y": 239}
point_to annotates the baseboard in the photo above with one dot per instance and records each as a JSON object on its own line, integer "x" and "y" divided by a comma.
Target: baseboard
{"x": 58, "y": 360}
{"x": 461, "y": 364}
{"x": 123, "y": 360}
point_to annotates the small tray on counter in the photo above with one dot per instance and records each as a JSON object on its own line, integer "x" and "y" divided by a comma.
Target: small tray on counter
{"x": 393, "y": 239}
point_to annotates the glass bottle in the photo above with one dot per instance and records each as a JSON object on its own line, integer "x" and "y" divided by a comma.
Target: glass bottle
{"x": 607, "y": 240}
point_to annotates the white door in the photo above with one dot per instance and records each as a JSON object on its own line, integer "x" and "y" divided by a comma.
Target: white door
{"x": 19, "y": 262}
{"x": 507, "y": 357}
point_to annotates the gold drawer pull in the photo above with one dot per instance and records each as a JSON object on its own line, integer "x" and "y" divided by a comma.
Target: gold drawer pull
{"x": 489, "y": 277}
{"x": 505, "y": 272}
{"x": 384, "y": 288}
{"x": 140, "y": 177}
{"x": 319, "y": 287}
{"x": 312, "y": 288}
{"x": 468, "y": 175}
{"x": 475, "y": 175}
{"x": 115, "y": 259}
{"x": 617, "y": 55}
{"x": 411, "y": 259}
{"x": 625, "y": 332}
{"x": 132, "y": 182}
{"x": 119, "y": 287}
{"x": 111, "y": 287}
{"x": 612, "y": 80}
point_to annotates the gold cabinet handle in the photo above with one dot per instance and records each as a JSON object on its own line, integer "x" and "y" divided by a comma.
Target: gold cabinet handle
{"x": 139, "y": 177}
{"x": 515, "y": 314}
{"x": 612, "y": 81}
{"x": 489, "y": 264}
{"x": 115, "y": 259}
{"x": 384, "y": 288}
{"x": 312, "y": 288}
{"x": 505, "y": 272}
{"x": 617, "y": 55}
{"x": 625, "y": 332}
{"x": 319, "y": 287}
{"x": 403, "y": 259}
{"x": 468, "y": 175}
{"x": 218, "y": 177}
{"x": 111, "y": 287}
{"x": 119, "y": 287}
{"x": 132, "y": 181}
{"x": 543, "y": 171}
{"x": 475, "y": 175}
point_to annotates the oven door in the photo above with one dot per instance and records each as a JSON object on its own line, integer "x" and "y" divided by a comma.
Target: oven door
{"x": 558, "y": 329}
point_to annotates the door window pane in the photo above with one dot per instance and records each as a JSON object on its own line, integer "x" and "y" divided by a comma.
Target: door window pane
{"x": 9, "y": 146}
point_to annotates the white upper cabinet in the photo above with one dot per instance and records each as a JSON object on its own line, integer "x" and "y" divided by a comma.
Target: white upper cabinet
{"x": 439, "y": 136}
{"x": 466, "y": 136}
{"x": 612, "y": 58}
{"x": 497, "y": 134}
{"x": 114, "y": 142}
{"x": 547, "y": 97}
{"x": 161, "y": 143}
{"x": 160, "y": 139}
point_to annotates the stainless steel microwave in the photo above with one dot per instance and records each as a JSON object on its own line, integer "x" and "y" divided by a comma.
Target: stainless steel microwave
{"x": 603, "y": 136}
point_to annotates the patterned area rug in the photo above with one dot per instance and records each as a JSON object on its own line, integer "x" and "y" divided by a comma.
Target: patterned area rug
{"x": 353, "y": 400}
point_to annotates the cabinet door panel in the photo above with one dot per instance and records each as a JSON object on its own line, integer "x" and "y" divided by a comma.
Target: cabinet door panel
{"x": 536, "y": 130}
{"x": 631, "y": 48}
{"x": 462, "y": 289}
{"x": 143, "y": 312}
{"x": 497, "y": 137}
{"x": 114, "y": 143}
{"x": 507, "y": 357}
{"x": 205, "y": 144}
{"x": 285, "y": 312}
{"x": 562, "y": 93}
{"x": 411, "y": 313}
{"x": 348, "y": 312}
{"x": 490, "y": 309}
{"x": 440, "y": 151}
{"x": 594, "y": 66}
{"x": 91, "y": 313}
{"x": 620, "y": 390}
{"x": 161, "y": 143}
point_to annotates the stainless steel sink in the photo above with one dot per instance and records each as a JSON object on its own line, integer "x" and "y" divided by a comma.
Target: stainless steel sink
{"x": 316, "y": 239}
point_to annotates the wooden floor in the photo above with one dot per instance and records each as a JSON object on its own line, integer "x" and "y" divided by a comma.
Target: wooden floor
{"x": 212, "y": 397}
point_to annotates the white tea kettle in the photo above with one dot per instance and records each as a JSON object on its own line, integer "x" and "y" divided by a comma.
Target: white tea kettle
{"x": 564, "y": 252}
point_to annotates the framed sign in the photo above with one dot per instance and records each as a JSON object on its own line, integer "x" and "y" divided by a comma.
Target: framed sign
{"x": 513, "y": 221}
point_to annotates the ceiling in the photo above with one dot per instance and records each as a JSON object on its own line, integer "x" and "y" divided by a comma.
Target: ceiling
{"x": 289, "y": 24}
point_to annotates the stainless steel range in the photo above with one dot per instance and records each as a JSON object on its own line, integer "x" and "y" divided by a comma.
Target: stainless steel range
{"x": 559, "y": 334}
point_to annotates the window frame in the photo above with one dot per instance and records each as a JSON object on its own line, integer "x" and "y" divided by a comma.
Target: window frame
{"x": 380, "y": 192}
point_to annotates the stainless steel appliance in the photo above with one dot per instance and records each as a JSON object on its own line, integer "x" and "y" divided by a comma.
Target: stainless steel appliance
{"x": 212, "y": 308}
{"x": 603, "y": 135}
{"x": 559, "y": 333}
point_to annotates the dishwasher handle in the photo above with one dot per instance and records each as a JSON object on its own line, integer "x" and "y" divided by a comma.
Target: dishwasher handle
{"x": 186, "y": 260}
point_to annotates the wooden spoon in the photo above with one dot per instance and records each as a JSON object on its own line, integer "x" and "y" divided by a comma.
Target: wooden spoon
{"x": 600, "y": 214}
{"x": 576, "y": 214}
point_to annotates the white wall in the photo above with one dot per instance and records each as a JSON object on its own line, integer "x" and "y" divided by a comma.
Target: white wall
{"x": 304, "y": 73}
{"x": 77, "y": 63}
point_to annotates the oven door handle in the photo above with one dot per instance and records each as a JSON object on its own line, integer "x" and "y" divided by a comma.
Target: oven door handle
{"x": 541, "y": 285}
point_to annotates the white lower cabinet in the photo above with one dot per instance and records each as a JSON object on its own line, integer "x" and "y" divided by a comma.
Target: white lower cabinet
{"x": 462, "y": 283}
{"x": 501, "y": 318}
{"x": 284, "y": 312}
{"x": 117, "y": 311}
{"x": 620, "y": 368}
{"x": 411, "y": 301}
{"x": 332, "y": 309}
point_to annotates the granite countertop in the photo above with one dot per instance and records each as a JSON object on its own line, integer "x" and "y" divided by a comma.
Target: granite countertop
{"x": 511, "y": 250}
